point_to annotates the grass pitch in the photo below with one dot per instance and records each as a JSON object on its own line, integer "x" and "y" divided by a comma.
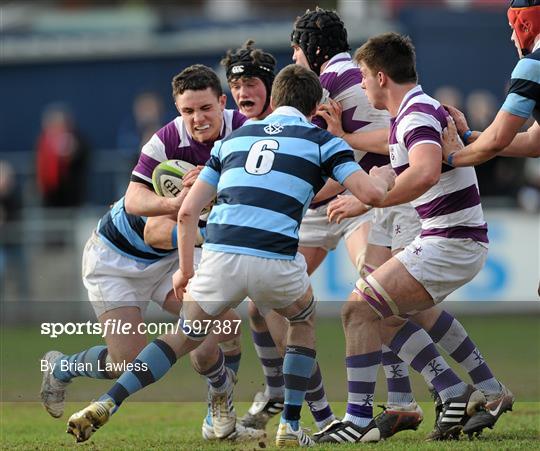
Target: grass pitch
{"x": 168, "y": 415}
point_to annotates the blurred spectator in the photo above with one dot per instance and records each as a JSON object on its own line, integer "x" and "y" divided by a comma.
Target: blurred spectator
{"x": 12, "y": 261}
{"x": 482, "y": 106}
{"x": 449, "y": 95}
{"x": 61, "y": 157}
{"x": 529, "y": 195}
{"x": 499, "y": 176}
{"x": 9, "y": 200}
{"x": 147, "y": 117}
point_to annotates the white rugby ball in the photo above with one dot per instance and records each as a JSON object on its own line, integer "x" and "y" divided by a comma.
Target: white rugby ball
{"x": 167, "y": 177}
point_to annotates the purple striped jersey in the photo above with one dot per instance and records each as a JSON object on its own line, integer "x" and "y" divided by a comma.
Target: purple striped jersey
{"x": 452, "y": 207}
{"x": 341, "y": 79}
{"x": 173, "y": 142}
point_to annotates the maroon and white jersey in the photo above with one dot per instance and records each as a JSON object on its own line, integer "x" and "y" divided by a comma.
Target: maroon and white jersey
{"x": 173, "y": 142}
{"x": 341, "y": 79}
{"x": 452, "y": 207}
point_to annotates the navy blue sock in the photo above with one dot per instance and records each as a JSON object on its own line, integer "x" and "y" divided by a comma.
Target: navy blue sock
{"x": 149, "y": 366}
{"x": 297, "y": 370}
{"x": 87, "y": 363}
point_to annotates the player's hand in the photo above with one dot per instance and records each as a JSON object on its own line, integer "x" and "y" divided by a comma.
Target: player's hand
{"x": 459, "y": 119}
{"x": 331, "y": 113}
{"x": 385, "y": 173}
{"x": 450, "y": 140}
{"x": 180, "y": 280}
{"x": 189, "y": 179}
{"x": 345, "y": 206}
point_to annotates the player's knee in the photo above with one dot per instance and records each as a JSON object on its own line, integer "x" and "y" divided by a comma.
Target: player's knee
{"x": 373, "y": 295}
{"x": 201, "y": 359}
{"x": 354, "y": 314}
{"x": 305, "y": 315}
{"x": 231, "y": 345}
{"x": 193, "y": 329}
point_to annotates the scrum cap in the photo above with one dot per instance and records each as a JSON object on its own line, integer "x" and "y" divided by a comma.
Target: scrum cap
{"x": 251, "y": 62}
{"x": 320, "y": 34}
{"x": 524, "y": 16}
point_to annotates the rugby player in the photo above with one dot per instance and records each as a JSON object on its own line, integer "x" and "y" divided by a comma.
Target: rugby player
{"x": 454, "y": 236}
{"x": 502, "y": 137}
{"x": 393, "y": 228}
{"x": 256, "y": 252}
{"x": 122, "y": 272}
{"x": 250, "y": 73}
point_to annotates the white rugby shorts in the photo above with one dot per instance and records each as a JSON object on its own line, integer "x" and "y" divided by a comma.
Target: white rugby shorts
{"x": 223, "y": 280}
{"x": 114, "y": 280}
{"x": 394, "y": 227}
{"x": 442, "y": 265}
{"x": 316, "y": 231}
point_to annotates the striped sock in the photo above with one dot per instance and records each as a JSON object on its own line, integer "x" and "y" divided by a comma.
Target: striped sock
{"x": 316, "y": 399}
{"x": 414, "y": 346}
{"x": 233, "y": 362}
{"x": 149, "y": 366}
{"x": 450, "y": 335}
{"x": 297, "y": 370}
{"x": 87, "y": 363}
{"x": 361, "y": 377}
{"x": 217, "y": 376}
{"x": 397, "y": 378}
{"x": 272, "y": 364}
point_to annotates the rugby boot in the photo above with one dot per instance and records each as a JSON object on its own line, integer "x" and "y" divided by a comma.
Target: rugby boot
{"x": 348, "y": 432}
{"x": 397, "y": 418}
{"x": 222, "y": 408}
{"x": 53, "y": 390}
{"x": 84, "y": 423}
{"x": 456, "y": 412}
{"x": 496, "y": 405}
{"x": 287, "y": 437}
{"x": 261, "y": 411}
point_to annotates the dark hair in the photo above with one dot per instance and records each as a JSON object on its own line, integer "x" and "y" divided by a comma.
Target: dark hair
{"x": 196, "y": 78}
{"x": 392, "y": 54}
{"x": 298, "y": 87}
{"x": 320, "y": 34}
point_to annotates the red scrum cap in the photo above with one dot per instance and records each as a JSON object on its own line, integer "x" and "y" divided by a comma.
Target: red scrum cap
{"x": 524, "y": 17}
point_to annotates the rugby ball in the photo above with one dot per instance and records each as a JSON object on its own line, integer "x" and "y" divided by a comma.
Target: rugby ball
{"x": 167, "y": 177}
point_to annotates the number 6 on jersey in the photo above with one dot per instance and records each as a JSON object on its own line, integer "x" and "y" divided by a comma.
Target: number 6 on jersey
{"x": 261, "y": 157}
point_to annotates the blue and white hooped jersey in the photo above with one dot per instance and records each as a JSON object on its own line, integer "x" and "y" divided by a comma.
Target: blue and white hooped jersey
{"x": 125, "y": 234}
{"x": 523, "y": 97}
{"x": 266, "y": 174}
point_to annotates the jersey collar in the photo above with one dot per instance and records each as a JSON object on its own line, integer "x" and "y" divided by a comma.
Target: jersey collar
{"x": 288, "y": 111}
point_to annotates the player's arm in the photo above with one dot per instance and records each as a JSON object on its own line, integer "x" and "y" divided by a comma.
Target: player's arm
{"x": 199, "y": 196}
{"x": 160, "y": 232}
{"x": 371, "y": 189}
{"x": 330, "y": 189}
{"x": 489, "y": 143}
{"x": 375, "y": 141}
{"x": 141, "y": 200}
{"x": 525, "y": 144}
{"x": 423, "y": 172}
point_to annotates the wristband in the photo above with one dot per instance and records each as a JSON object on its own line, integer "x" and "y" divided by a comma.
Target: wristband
{"x": 466, "y": 136}
{"x": 174, "y": 237}
{"x": 450, "y": 159}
